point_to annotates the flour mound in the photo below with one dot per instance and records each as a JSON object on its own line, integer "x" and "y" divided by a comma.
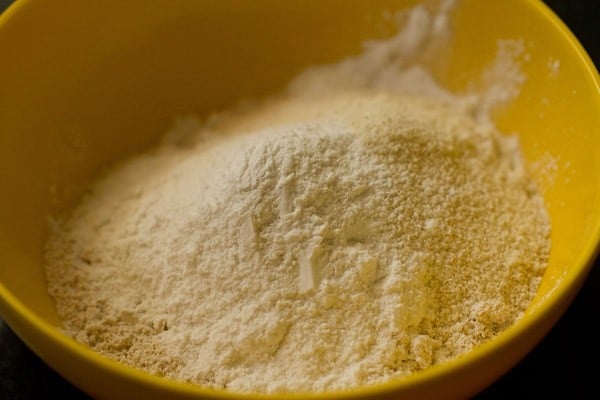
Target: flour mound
{"x": 305, "y": 245}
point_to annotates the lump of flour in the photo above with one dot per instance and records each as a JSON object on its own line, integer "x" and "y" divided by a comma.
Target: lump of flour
{"x": 305, "y": 245}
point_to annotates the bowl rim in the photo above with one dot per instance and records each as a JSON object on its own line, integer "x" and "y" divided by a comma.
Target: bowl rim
{"x": 562, "y": 294}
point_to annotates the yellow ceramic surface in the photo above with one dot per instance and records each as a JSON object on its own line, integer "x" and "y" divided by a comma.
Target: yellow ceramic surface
{"x": 83, "y": 83}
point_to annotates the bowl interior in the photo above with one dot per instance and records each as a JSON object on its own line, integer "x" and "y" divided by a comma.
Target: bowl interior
{"x": 90, "y": 82}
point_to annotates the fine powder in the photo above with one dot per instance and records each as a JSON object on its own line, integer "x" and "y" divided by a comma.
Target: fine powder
{"x": 315, "y": 241}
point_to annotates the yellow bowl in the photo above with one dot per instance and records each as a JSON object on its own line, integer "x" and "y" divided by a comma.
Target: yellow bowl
{"x": 83, "y": 83}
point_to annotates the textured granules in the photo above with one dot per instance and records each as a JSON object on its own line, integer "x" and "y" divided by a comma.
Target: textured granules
{"x": 367, "y": 236}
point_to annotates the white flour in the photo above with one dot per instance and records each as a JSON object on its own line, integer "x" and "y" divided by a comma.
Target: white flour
{"x": 339, "y": 234}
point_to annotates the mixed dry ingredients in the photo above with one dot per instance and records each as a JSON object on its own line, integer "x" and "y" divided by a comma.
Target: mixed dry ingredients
{"x": 362, "y": 225}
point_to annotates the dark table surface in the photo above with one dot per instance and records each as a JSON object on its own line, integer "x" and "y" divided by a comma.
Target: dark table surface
{"x": 563, "y": 364}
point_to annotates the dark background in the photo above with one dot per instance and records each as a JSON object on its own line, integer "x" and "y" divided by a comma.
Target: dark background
{"x": 563, "y": 364}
